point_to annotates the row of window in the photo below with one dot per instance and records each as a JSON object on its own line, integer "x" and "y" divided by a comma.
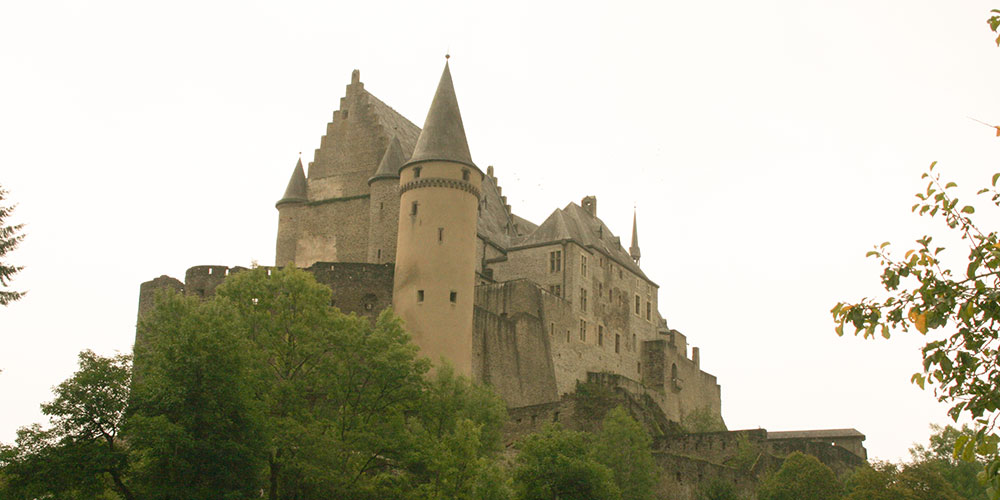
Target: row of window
{"x": 452, "y": 296}
{"x": 465, "y": 173}
{"x": 600, "y": 335}
{"x": 555, "y": 265}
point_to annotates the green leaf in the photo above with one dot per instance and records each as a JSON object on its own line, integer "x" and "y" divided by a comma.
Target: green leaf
{"x": 885, "y": 331}
{"x": 950, "y": 185}
{"x": 968, "y": 209}
{"x": 996, "y": 177}
{"x": 883, "y": 245}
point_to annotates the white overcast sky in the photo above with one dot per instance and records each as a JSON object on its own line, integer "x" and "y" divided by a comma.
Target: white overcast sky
{"x": 767, "y": 145}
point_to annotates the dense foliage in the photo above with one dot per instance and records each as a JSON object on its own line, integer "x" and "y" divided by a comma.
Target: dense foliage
{"x": 10, "y": 238}
{"x": 800, "y": 476}
{"x": 266, "y": 390}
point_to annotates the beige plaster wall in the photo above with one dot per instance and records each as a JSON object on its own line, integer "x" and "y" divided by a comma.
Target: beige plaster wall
{"x": 438, "y": 266}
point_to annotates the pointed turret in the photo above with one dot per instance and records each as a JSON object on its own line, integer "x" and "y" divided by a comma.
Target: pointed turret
{"x": 297, "y": 190}
{"x": 634, "y": 249}
{"x": 392, "y": 160}
{"x": 443, "y": 135}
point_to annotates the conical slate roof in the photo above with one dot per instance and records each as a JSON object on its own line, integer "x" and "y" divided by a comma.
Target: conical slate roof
{"x": 392, "y": 161}
{"x": 634, "y": 249}
{"x": 443, "y": 136}
{"x": 297, "y": 190}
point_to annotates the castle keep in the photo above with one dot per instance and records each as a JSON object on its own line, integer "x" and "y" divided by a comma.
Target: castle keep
{"x": 530, "y": 309}
{"x": 391, "y": 214}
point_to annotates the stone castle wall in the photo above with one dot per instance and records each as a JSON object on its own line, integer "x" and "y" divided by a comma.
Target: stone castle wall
{"x": 362, "y": 289}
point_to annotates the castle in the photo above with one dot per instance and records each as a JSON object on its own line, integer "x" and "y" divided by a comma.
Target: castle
{"x": 392, "y": 214}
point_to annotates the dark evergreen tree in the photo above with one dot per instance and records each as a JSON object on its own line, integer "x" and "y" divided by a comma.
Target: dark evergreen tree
{"x": 10, "y": 237}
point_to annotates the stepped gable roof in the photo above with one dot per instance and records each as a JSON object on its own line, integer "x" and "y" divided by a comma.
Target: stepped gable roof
{"x": 493, "y": 216}
{"x": 443, "y": 135}
{"x": 576, "y": 224}
{"x": 817, "y": 434}
{"x": 394, "y": 123}
{"x": 297, "y": 190}
{"x": 388, "y": 167}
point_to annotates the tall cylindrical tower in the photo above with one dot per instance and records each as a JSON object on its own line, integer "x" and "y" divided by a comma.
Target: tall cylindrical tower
{"x": 439, "y": 191}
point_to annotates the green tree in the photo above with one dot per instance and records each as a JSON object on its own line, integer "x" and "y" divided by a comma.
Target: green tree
{"x": 81, "y": 455}
{"x": 10, "y": 238}
{"x": 718, "y": 489}
{"x": 456, "y": 433}
{"x": 624, "y": 447}
{"x": 939, "y": 455}
{"x": 887, "y": 481}
{"x": 194, "y": 424}
{"x": 957, "y": 310}
{"x": 557, "y": 464}
{"x": 335, "y": 389}
{"x": 703, "y": 420}
{"x": 801, "y": 477}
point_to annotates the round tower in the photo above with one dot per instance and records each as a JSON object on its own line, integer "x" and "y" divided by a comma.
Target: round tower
{"x": 290, "y": 211}
{"x": 439, "y": 190}
{"x": 383, "y": 206}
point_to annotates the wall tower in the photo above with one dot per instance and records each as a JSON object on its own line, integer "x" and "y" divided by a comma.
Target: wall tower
{"x": 290, "y": 212}
{"x": 439, "y": 190}
{"x": 383, "y": 209}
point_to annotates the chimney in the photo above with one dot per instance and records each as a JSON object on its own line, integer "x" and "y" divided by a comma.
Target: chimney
{"x": 589, "y": 204}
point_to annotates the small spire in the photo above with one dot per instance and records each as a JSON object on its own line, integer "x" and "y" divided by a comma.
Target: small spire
{"x": 392, "y": 160}
{"x": 634, "y": 249}
{"x": 297, "y": 190}
{"x": 443, "y": 135}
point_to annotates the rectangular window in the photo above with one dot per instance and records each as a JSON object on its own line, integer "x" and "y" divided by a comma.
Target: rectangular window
{"x": 555, "y": 261}
{"x": 416, "y": 172}
{"x": 420, "y": 295}
{"x": 583, "y": 265}
{"x": 600, "y": 334}
{"x": 583, "y": 299}
{"x": 618, "y": 343}
{"x": 413, "y": 208}
{"x": 638, "y": 305}
{"x": 465, "y": 174}
{"x": 600, "y": 290}
{"x": 440, "y": 234}
{"x": 555, "y": 290}
{"x": 567, "y": 336}
{"x": 583, "y": 330}
{"x": 649, "y": 311}
{"x": 453, "y": 297}
{"x": 634, "y": 345}
{"x": 552, "y": 329}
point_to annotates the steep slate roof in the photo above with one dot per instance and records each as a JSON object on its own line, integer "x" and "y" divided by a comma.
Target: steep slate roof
{"x": 574, "y": 223}
{"x": 388, "y": 167}
{"x": 394, "y": 123}
{"x": 443, "y": 135}
{"x": 297, "y": 190}
{"x": 818, "y": 434}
